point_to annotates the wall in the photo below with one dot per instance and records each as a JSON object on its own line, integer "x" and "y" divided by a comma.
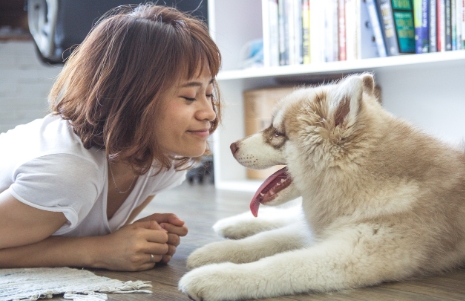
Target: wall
{"x": 430, "y": 96}
{"x": 24, "y": 84}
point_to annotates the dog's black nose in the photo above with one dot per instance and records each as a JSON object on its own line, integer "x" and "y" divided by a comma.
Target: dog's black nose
{"x": 234, "y": 148}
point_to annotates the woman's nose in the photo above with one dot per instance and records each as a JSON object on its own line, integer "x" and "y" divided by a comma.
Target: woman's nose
{"x": 207, "y": 112}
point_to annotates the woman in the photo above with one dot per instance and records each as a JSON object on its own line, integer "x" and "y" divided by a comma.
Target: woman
{"x": 134, "y": 104}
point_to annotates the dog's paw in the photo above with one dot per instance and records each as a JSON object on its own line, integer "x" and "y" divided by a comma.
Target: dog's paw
{"x": 217, "y": 282}
{"x": 217, "y": 252}
{"x": 202, "y": 284}
{"x": 245, "y": 224}
{"x": 237, "y": 227}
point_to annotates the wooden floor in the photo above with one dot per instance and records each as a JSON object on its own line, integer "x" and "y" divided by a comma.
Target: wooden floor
{"x": 201, "y": 205}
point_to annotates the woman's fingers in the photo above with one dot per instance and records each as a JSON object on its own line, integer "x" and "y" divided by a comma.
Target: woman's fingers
{"x": 153, "y": 258}
{"x": 179, "y": 230}
{"x": 166, "y": 259}
{"x": 169, "y": 218}
{"x": 157, "y": 242}
{"x": 171, "y": 250}
{"x": 173, "y": 239}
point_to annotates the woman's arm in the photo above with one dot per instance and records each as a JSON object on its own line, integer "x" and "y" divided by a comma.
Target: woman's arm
{"x": 26, "y": 241}
{"x": 127, "y": 249}
{"x": 21, "y": 224}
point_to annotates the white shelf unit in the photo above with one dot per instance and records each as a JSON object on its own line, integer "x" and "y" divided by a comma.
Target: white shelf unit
{"x": 427, "y": 89}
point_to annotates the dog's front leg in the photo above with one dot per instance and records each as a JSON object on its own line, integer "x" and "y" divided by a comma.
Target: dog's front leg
{"x": 245, "y": 224}
{"x": 353, "y": 258}
{"x": 253, "y": 248}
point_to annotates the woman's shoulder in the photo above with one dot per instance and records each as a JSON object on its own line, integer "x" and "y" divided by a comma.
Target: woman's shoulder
{"x": 49, "y": 137}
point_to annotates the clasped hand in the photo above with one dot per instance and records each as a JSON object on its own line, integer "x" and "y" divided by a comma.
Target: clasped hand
{"x": 140, "y": 245}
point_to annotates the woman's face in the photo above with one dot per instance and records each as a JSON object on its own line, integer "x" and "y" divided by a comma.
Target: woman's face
{"x": 186, "y": 113}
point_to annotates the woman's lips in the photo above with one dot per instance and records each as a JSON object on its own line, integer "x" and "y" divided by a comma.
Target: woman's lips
{"x": 202, "y": 133}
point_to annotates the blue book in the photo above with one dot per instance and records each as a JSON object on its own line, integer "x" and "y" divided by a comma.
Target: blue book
{"x": 421, "y": 21}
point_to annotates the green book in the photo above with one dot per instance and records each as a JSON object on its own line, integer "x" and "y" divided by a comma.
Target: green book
{"x": 402, "y": 11}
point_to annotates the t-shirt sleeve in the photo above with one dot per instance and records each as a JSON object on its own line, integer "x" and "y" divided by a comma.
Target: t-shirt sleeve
{"x": 59, "y": 183}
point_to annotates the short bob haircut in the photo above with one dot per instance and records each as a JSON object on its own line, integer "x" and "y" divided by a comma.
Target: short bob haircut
{"x": 110, "y": 86}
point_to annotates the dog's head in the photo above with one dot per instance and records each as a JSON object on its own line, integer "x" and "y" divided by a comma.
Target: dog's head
{"x": 312, "y": 130}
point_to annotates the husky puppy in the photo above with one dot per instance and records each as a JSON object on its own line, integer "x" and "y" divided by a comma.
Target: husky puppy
{"x": 381, "y": 201}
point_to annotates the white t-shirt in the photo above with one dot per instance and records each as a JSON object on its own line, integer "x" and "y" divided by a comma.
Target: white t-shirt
{"x": 44, "y": 165}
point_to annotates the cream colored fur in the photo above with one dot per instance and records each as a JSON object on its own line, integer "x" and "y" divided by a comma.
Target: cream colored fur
{"x": 381, "y": 201}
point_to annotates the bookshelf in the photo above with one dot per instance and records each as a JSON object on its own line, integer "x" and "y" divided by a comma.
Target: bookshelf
{"x": 426, "y": 89}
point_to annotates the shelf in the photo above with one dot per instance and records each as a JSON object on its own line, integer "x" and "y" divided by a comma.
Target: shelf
{"x": 425, "y": 89}
{"x": 401, "y": 61}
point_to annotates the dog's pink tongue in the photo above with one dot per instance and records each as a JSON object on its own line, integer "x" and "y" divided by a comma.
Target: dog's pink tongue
{"x": 266, "y": 186}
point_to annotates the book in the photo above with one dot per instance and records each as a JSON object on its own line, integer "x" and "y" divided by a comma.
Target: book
{"x": 447, "y": 25}
{"x": 432, "y": 28}
{"x": 360, "y": 39}
{"x": 459, "y": 18}
{"x": 292, "y": 31}
{"x": 331, "y": 31}
{"x": 282, "y": 32}
{"x": 376, "y": 26}
{"x": 270, "y": 33}
{"x": 351, "y": 29}
{"x": 306, "y": 59}
{"x": 402, "y": 11}
{"x": 297, "y": 35}
{"x": 463, "y": 24}
{"x": 384, "y": 9}
{"x": 341, "y": 30}
{"x": 421, "y": 22}
{"x": 317, "y": 24}
{"x": 441, "y": 24}
{"x": 367, "y": 46}
{"x": 453, "y": 23}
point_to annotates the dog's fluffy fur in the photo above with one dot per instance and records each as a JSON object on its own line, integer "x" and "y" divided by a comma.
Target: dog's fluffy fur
{"x": 381, "y": 201}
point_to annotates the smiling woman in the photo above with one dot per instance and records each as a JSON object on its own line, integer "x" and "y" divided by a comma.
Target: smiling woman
{"x": 163, "y": 49}
{"x": 187, "y": 114}
{"x": 131, "y": 110}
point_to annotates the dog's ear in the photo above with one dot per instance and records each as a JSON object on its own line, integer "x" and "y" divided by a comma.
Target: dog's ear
{"x": 368, "y": 83}
{"x": 348, "y": 97}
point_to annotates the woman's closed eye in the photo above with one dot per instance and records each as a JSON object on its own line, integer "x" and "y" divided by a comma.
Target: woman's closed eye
{"x": 188, "y": 98}
{"x": 209, "y": 96}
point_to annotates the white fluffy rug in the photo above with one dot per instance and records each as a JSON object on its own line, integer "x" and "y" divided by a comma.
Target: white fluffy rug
{"x": 74, "y": 284}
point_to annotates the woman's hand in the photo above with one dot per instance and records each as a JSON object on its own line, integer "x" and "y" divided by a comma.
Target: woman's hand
{"x": 134, "y": 247}
{"x": 175, "y": 228}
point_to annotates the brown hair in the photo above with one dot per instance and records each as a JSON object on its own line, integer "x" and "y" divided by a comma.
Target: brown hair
{"x": 109, "y": 86}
